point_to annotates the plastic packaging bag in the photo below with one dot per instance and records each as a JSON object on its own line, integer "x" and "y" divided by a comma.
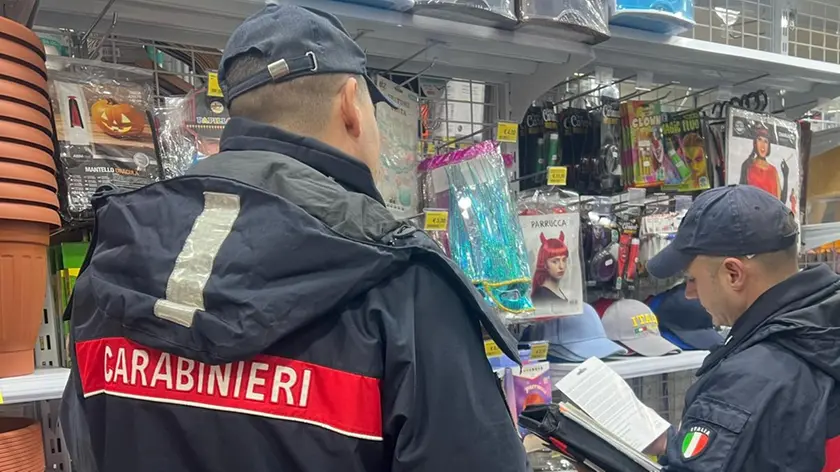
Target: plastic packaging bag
{"x": 399, "y": 130}
{"x": 551, "y": 226}
{"x": 104, "y": 132}
{"x": 583, "y": 20}
{"x": 483, "y": 235}
{"x": 496, "y": 13}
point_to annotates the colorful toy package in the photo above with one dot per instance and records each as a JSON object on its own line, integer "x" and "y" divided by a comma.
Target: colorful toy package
{"x": 644, "y": 154}
{"x": 532, "y": 386}
{"x": 686, "y": 151}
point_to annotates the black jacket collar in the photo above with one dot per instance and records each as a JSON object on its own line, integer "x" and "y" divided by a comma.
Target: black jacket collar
{"x": 241, "y": 134}
{"x": 794, "y": 293}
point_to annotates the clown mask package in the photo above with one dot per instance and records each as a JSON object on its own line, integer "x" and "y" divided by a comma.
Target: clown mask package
{"x": 104, "y": 133}
{"x": 551, "y": 228}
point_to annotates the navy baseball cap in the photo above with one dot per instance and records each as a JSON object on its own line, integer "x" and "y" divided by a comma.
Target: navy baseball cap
{"x": 683, "y": 322}
{"x": 295, "y": 42}
{"x": 731, "y": 221}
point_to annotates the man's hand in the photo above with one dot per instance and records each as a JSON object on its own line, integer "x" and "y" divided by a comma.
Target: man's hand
{"x": 657, "y": 448}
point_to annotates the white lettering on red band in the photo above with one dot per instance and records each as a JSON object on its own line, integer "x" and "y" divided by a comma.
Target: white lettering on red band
{"x": 267, "y": 386}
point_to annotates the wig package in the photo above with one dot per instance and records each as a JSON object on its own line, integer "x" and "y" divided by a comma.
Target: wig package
{"x": 483, "y": 234}
{"x": 551, "y": 226}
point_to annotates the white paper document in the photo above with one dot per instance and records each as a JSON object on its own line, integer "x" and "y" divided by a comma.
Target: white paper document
{"x": 605, "y": 396}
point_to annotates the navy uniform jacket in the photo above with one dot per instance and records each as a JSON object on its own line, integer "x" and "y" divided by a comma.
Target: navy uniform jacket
{"x": 769, "y": 399}
{"x": 267, "y": 314}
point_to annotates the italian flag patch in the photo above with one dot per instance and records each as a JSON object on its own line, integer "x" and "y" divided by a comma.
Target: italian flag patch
{"x": 695, "y": 442}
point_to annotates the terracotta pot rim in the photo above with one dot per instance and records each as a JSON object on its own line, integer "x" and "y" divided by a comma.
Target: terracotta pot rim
{"x": 34, "y": 195}
{"x": 23, "y": 54}
{"x": 23, "y": 74}
{"x": 33, "y": 175}
{"x": 21, "y": 32}
{"x": 45, "y": 113}
{"x": 26, "y": 154}
{"x": 24, "y": 91}
{"x": 10, "y": 424}
{"x": 23, "y": 133}
{"x": 22, "y": 113}
{"x": 23, "y": 61}
{"x": 26, "y": 213}
{"x": 33, "y": 86}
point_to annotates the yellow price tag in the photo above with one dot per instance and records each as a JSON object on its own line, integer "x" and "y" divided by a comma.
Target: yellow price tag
{"x": 539, "y": 352}
{"x": 436, "y": 220}
{"x": 1, "y": 398}
{"x": 557, "y": 175}
{"x": 491, "y": 349}
{"x": 213, "y": 88}
{"x": 507, "y": 132}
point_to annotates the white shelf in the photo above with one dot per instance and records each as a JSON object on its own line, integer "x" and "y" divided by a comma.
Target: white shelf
{"x": 532, "y": 63}
{"x": 702, "y": 64}
{"x": 44, "y": 384}
{"x": 633, "y": 367}
{"x": 460, "y": 50}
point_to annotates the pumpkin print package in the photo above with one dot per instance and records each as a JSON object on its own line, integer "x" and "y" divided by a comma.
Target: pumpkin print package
{"x": 104, "y": 137}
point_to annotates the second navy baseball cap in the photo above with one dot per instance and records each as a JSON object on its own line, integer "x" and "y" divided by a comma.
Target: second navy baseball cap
{"x": 687, "y": 320}
{"x": 294, "y": 42}
{"x": 731, "y": 221}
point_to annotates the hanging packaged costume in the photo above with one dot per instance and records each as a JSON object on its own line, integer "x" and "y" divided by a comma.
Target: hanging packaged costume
{"x": 105, "y": 136}
{"x": 686, "y": 153}
{"x": 483, "y": 235}
{"x": 550, "y": 221}
{"x": 763, "y": 151}
{"x": 400, "y": 134}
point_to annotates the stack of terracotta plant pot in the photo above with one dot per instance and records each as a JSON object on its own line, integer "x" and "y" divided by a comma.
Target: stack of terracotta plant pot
{"x": 28, "y": 201}
{"x": 21, "y": 445}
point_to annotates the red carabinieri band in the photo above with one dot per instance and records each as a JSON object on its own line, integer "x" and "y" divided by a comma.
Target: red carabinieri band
{"x": 832, "y": 455}
{"x": 267, "y": 386}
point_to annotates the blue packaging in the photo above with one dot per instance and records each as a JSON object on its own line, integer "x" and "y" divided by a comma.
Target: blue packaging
{"x": 671, "y": 17}
{"x": 398, "y": 5}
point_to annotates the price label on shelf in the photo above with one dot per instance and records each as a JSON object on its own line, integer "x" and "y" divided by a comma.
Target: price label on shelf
{"x": 507, "y": 132}
{"x": 213, "y": 88}
{"x": 491, "y": 349}
{"x": 539, "y": 351}
{"x": 436, "y": 220}
{"x": 557, "y": 175}
{"x": 1, "y": 398}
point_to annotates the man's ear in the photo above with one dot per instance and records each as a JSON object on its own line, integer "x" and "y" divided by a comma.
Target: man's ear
{"x": 735, "y": 272}
{"x": 349, "y": 107}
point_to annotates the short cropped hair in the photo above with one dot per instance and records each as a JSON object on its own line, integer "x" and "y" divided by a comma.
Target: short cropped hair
{"x": 300, "y": 105}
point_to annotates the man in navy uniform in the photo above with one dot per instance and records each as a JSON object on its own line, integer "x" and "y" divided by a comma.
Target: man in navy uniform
{"x": 266, "y": 312}
{"x": 768, "y": 400}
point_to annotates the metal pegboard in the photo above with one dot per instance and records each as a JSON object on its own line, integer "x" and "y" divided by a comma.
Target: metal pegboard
{"x": 49, "y": 347}
{"x": 57, "y": 457}
{"x": 664, "y": 394}
{"x": 743, "y": 23}
{"x": 815, "y": 30}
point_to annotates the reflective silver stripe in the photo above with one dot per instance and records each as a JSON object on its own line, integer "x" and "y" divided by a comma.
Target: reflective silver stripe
{"x": 185, "y": 288}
